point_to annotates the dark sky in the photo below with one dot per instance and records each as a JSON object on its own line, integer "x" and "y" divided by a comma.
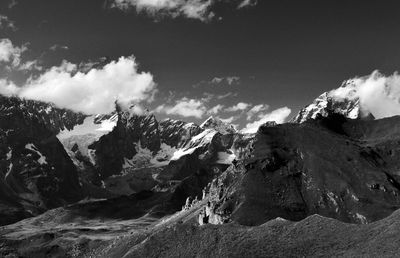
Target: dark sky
{"x": 285, "y": 52}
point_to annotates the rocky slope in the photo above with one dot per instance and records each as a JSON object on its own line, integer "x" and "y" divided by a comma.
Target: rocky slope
{"x": 36, "y": 172}
{"x": 58, "y": 234}
{"x": 329, "y": 166}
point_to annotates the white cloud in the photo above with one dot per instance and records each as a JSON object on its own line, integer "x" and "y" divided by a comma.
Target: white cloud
{"x": 6, "y": 23}
{"x": 184, "y": 107}
{"x": 378, "y": 94}
{"x": 229, "y": 94}
{"x": 246, "y": 3}
{"x": 230, "y": 80}
{"x": 216, "y": 109}
{"x": 30, "y": 66}
{"x": 228, "y": 120}
{"x": 255, "y": 110}
{"x": 217, "y": 80}
{"x": 278, "y": 115}
{"x": 9, "y": 53}
{"x": 194, "y": 9}
{"x": 56, "y": 47}
{"x": 93, "y": 92}
{"x": 8, "y": 88}
{"x": 238, "y": 107}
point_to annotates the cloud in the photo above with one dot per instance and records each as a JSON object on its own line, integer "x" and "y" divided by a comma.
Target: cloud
{"x": 184, "y": 107}
{"x": 216, "y": 109}
{"x": 255, "y": 110}
{"x": 12, "y": 4}
{"x": 30, "y": 66}
{"x": 246, "y": 3}
{"x": 229, "y": 94}
{"x": 378, "y": 94}
{"x": 278, "y": 115}
{"x": 193, "y": 9}
{"x": 228, "y": 120}
{"x": 9, "y": 53}
{"x": 8, "y": 88}
{"x": 91, "y": 64}
{"x": 92, "y": 92}
{"x": 209, "y": 96}
{"x": 230, "y": 80}
{"x": 218, "y": 81}
{"x": 6, "y": 23}
{"x": 238, "y": 107}
{"x": 56, "y": 47}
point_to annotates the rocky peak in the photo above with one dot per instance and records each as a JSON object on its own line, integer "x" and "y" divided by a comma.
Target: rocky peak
{"x": 23, "y": 111}
{"x": 177, "y": 133}
{"x": 218, "y": 125}
{"x": 333, "y": 102}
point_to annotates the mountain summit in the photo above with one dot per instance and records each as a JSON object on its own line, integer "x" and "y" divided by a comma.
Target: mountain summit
{"x": 341, "y": 101}
{"x": 218, "y": 125}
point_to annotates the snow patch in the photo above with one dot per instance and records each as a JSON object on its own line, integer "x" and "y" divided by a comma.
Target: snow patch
{"x": 42, "y": 159}
{"x": 361, "y": 218}
{"x": 145, "y": 158}
{"x": 225, "y": 158}
{"x": 108, "y": 125}
{"x": 163, "y": 156}
{"x": 86, "y": 133}
{"x": 10, "y": 166}
{"x": 182, "y": 152}
{"x": 89, "y": 127}
{"x": 332, "y": 197}
{"x": 9, "y": 154}
{"x": 196, "y": 142}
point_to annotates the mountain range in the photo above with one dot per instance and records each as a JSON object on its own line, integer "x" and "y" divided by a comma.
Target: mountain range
{"x": 120, "y": 184}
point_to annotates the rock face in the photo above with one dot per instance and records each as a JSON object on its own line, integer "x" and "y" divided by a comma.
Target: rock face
{"x": 330, "y": 166}
{"x": 329, "y": 102}
{"x": 36, "y": 172}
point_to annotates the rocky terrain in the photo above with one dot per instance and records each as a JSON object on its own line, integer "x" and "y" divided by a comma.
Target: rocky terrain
{"x": 122, "y": 184}
{"x": 36, "y": 172}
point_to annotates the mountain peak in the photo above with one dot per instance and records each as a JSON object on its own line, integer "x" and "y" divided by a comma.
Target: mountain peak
{"x": 340, "y": 101}
{"x": 218, "y": 125}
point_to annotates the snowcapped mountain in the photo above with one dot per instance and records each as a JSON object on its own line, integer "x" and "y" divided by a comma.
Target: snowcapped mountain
{"x": 100, "y": 155}
{"x": 112, "y": 151}
{"x": 331, "y": 102}
{"x": 218, "y": 125}
{"x": 50, "y": 157}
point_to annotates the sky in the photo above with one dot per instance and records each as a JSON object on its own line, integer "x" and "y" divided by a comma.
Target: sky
{"x": 244, "y": 61}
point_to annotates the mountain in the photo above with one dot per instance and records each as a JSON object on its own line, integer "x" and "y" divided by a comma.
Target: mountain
{"x": 219, "y": 125}
{"x": 332, "y": 166}
{"x": 104, "y": 156}
{"x": 330, "y": 102}
{"x": 85, "y": 179}
{"x": 36, "y": 172}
